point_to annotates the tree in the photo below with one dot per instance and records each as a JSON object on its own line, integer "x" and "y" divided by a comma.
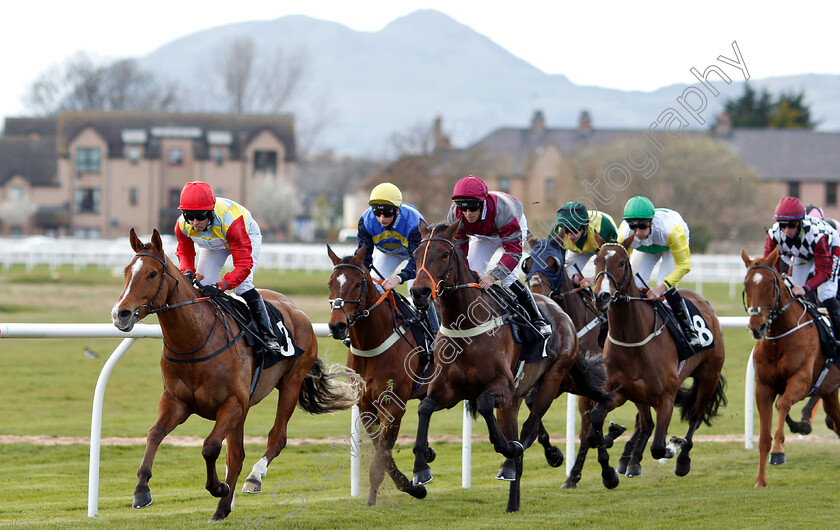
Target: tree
{"x": 789, "y": 111}
{"x": 274, "y": 204}
{"x": 83, "y": 83}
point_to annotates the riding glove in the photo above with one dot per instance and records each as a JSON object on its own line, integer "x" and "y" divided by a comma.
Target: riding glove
{"x": 190, "y": 276}
{"x": 212, "y": 290}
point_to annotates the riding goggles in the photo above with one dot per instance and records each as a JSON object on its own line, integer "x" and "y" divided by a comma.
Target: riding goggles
{"x": 788, "y": 224}
{"x": 638, "y": 224}
{"x": 196, "y": 215}
{"x": 469, "y": 205}
{"x": 387, "y": 211}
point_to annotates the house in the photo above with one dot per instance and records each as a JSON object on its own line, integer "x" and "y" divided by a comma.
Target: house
{"x": 98, "y": 174}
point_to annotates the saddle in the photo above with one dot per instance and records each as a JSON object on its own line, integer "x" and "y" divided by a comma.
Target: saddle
{"x": 424, "y": 335}
{"x": 684, "y": 349}
{"x": 533, "y": 344}
{"x": 826, "y": 333}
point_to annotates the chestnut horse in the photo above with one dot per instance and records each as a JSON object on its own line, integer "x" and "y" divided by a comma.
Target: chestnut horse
{"x": 787, "y": 357}
{"x": 643, "y": 366}
{"x": 207, "y": 370}
{"x": 546, "y": 275}
{"x": 479, "y": 359}
{"x": 385, "y": 354}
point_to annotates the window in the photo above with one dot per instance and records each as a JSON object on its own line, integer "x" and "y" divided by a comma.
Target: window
{"x": 174, "y": 198}
{"x": 132, "y": 196}
{"x": 265, "y": 162}
{"x": 549, "y": 188}
{"x": 88, "y": 200}
{"x": 503, "y": 183}
{"x": 219, "y": 155}
{"x": 831, "y": 194}
{"x": 16, "y": 194}
{"x": 793, "y": 189}
{"x": 88, "y": 160}
{"x": 134, "y": 154}
{"x": 176, "y": 156}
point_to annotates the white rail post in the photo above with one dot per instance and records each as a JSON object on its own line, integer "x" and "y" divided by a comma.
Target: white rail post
{"x": 749, "y": 397}
{"x": 571, "y": 411}
{"x": 355, "y": 453}
{"x": 466, "y": 449}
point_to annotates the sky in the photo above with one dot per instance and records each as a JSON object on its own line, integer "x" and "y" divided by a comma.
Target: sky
{"x": 641, "y": 45}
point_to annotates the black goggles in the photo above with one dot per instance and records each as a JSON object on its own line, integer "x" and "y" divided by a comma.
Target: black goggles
{"x": 574, "y": 229}
{"x": 468, "y": 206}
{"x": 196, "y": 215}
{"x": 387, "y": 211}
{"x": 638, "y": 224}
{"x": 788, "y": 224}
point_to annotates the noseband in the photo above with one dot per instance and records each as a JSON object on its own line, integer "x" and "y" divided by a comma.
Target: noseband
{"x": 619, "y": 294}
{"x": 338, "y": 303}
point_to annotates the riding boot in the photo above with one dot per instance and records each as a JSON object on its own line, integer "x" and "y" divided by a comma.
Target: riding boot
{"x": 526, "y": 300}
{"x": 833, "y": 307}
{"x": 675, "y": 300}
{"x": 260, "y": 314}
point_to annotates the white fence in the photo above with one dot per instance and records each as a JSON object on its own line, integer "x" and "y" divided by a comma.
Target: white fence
{"x": 321, "y": 330}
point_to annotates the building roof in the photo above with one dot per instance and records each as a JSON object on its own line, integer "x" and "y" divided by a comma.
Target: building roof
{"x": 32, "y": 158}
{"x": 110, "y": 125}
{"x": 32, "y": 127}
{"x": 789, "y": 154}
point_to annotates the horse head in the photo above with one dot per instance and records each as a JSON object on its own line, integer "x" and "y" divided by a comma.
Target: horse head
{"x": 763, "y": 293}
{"x": 543, "y": 268}
{"x": 349, "y": 286}
{"x": 147, "y": 283}
{"x": 613, "y": 275}
{"x": 437, "y": 257}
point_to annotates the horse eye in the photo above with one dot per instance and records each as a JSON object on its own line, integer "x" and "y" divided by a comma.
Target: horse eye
{"x": 153, "y": 275}
{"x": 445, "y": 255}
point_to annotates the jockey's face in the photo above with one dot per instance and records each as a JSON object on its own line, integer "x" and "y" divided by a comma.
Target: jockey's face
{"x": 575, "y": 235}
{"x": 199, "y": 226}
{"x": 640, "y": 227}
{"x": 790, "y": 228}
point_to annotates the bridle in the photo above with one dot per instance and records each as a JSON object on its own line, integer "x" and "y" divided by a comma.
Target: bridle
{"x": 359, "y": 313}
{"x": 619, "y": 294}
{"x": 774, "y": 311}
{"x": 442, "y": 286}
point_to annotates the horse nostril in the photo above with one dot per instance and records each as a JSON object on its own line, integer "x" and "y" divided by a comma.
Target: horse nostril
{"x": 420, "y": 296}
{"x": 124, "y": 314}
{"x": 603, "y": 299}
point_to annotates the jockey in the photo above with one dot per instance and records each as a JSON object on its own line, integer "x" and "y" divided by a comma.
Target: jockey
{"x": 494, "y": 219}
{"x": 579, "y": 228}
{"x": 807, "y": 244}
{"x": 659, "y": 234}
{"x": 221, "y": 228}
{"x": 392, "y": 227}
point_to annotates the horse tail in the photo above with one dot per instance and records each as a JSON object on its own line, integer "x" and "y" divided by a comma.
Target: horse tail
{"x": 687, "y": 398}
{"x": 590, "y": 377}
{"x": 324, "y": 391}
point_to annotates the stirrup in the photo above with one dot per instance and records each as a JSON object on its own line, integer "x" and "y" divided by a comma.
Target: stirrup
{"x": 543, "y": 327}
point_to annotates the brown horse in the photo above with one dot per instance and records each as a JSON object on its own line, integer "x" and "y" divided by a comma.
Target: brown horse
{"x": 787, "y": 357}
{"x": 385, "y": 354}
{"x": 643, "y": 366}
{"x": 479, "y": 359}
{"x": 546, "y": 275}
{"x": 207, "y": 370}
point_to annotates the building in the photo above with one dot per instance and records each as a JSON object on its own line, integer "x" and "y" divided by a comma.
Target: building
{"x": 98, "y": 174}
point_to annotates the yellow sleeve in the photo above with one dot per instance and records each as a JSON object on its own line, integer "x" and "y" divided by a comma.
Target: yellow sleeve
{"x": 678, "y": 244}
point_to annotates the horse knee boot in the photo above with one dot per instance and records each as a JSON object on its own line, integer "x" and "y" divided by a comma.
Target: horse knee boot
{"x": 526, "y": 300}
{"x": 675, "y": 300}
{"x": 257, "y": 306}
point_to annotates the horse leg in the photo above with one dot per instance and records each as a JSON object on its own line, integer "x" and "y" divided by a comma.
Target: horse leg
{"x": 794, "y": 391}
{"x": 553, "y": 455}
{"x": 645, "y": 427}
{"x": 390, "y": 418}
{"x": 485, "y": 404}
{"x": 171, "y": 413}
{"x": 234, "y": 458}
{"x": 584, "y": 407}
{"x": 422, "y": 472}
{"x": 831, "y": 405}
{"x": 624, "y": 461}
{"x": 664, "y": 411}
{"x": 804, "y": 425}
{"x": 507, "y": 427}
{"x": 227, "y": 417}
{"x": 596, "y": 438}
{"x": 708, "y": 383}
{"x": 764, "y": 396}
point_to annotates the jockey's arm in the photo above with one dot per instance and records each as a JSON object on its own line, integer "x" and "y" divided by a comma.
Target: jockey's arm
{"x": 823, "y": 262}
{"x": 240, "y": 250}
{"x": 678, "y": 244}
{"x": 365, "y": 238}
{"x": 185, "y": 250}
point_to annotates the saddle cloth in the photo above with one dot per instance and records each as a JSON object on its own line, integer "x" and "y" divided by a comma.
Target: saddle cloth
{"x": 701, "y": 327}
{"x": 827, "y": 340}
{"x": 533, "y": 344}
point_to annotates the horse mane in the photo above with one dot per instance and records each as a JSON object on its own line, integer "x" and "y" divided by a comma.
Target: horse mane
{"x": 437, "y": 227}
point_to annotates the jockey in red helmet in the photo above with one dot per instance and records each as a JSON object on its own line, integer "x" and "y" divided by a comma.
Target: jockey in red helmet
{"x": 221, "y": 228}
{"x": 489, "y": 220}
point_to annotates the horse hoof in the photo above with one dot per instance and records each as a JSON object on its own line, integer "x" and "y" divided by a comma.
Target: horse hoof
{"x": 251, "y": 486}
{"x": 829, "y": 424}
{"x": 621, "y": 468}
{"x": 633, "y": 470}
{"x": 418, "y": 492}
{"x": 610, "y": 480}
{"x": 615, "y": 430}
{"x": 669, "y": 453}
{"x": 569, "y": 484}
{"x": 220, "y": 491}
{"x": 141, "y": 500}
{"x": 803, "y": 428}
{"x": 422, "y": 477}
{"x": 507, "y": 472}
{"x": 681, "y": 469}
{"x": 777, "y": 459}
{"x": 554, "y": 456}
{"x": 430, "y": 455}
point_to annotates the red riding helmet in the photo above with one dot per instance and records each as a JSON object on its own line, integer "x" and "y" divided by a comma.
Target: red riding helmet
{"x": 197, "y": 196}
{"x": 470, "y": 188}
{"x": 789, "y": 208}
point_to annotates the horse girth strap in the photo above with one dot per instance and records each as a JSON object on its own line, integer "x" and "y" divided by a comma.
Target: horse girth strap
{"x": 647, "y": 339}
{"x": 390, "y": 341}
{"x": 233, "y": 341}
{"x": 474, "y": 331}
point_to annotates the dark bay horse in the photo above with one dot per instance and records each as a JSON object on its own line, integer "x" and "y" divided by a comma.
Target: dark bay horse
{"x": 546, "y": 275}
{"x": 207, "y": 370}
{"x": 479, "y": 359}
{"x": 643, "y": 366}
{"x": 385, "y": 354}
{"x": 787, "y": 357}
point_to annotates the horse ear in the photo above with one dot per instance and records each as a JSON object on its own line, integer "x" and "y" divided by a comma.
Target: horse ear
{"x": 531, "y": 241}
{"x": 335, "y": 259}
{"x": 424, "y": 229}
{"x": 629, "y": 241}
{"x": 598, "y": 239}
{"x": 157, "y": 244}
{"x": 773, "y": 257}
{"x": 359, "y": 258}
{"x": 746, "y": 258}
{"x": 450, "y": 232}
{"x": 136, "y": 244}
{"x": 553, "y": 265}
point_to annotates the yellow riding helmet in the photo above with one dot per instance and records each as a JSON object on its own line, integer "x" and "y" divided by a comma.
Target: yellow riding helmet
{"x": 386, "y": 193}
